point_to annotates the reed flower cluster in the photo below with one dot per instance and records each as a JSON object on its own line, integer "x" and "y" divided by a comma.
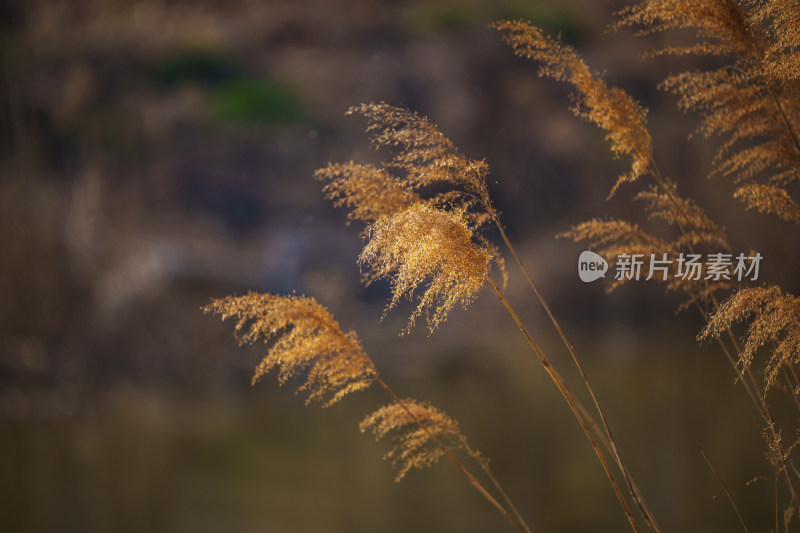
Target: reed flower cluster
{"x": 749, "y": 100}
{"x": 428, "y": 216}
{"x": 309, "y": 343}
{"x": 424, "y": 244}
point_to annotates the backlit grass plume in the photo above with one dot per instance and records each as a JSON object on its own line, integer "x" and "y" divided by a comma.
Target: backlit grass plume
{"x": 419, "y": 430}
{"x": 773, "y": 320}
{"x": 696, "y": 229}
{"x": 425, "y": 167}
{"x": 612, "y": 109}
{"x": 750, "y": 101}
{"x": 309, "y": 342}
{"x": 623, "y": 120}
{"x": 769, "y": 199}
{"x": 423, "y": 153}
{"x": 425, "y": 246}
{"x": 367, "y": 191}
{"x": 612, "y": 238}
{"x": 719, "y": 25}
{"x": 693, "y": 231}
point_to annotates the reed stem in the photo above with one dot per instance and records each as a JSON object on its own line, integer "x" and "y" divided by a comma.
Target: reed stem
{"x": 471, "y": 478}
{"x": 573, "y": 403}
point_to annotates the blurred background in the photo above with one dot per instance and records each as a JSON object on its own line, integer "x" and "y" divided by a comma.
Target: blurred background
{"x": 156, "y": 154}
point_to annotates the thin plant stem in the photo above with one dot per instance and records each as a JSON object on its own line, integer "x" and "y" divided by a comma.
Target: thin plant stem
{"x": 792, "y": 385}
{"x": 761, "y": 402}
{"x": 766, "y": 413}
{"x": 484, "y": 464}
{"x": 647, "y": 515}
{"x": 607, "y": 445}
{"x": 746, "y": 383}
{"x": 472, "y": 480}
{"x": 776, "y": 504}
{"x": 571, "y": 401}
{"x": 724, "y": 488}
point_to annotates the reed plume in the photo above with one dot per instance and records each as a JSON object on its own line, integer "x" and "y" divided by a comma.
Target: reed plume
{"x": 624, "y": 122}
{"x": 425, "y": 168}
{"x": 696, "y": 230}
{"x": 424, "y": 244}
{"x": 769, "y": 199}
{"x": 422, "y": 152}
{"x": 423, "y": 158}
{"x": 773, "y": 320}
{"x": 415, "y": 425}
{"x": 309, "y": 342}
{"x": 367, "y": 191}
{"x": 751, "y": 100}
{"x": 619, "y": 115}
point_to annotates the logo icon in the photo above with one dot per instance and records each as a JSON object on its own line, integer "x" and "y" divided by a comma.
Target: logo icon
{"x": 591, "y": 266}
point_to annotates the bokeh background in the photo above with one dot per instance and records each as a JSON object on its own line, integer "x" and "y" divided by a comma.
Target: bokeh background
{"x": 155, "y": 154}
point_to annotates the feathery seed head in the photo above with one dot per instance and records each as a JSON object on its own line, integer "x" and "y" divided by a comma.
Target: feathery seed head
{"x": 720, "y": 25}
{"x": 424, "y": 244}
{"x": 751, "y": 100}
{"x": 422, "y": 157}
{"x": 775, "y": 320}
{"x": 309, "y": 340}
{"x": 367, "y": 191}
{"x": 769, "y": 199}
{"x": 613, "y": 238}
{"x": 417, "y": 426}
{"x": 612, "y": 109}
{"x": 421, "y": 151}
{"x": 697, "y": 230}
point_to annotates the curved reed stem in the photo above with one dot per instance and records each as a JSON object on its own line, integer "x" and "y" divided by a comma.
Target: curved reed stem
{"x": 637, "y": 497}
{"x": 488, "y": 471}
{"x": 521, "y": 527}
{"x": 573, "y": 403}
{"x": 724, "y": 488}
{"x": 754, "y": 391}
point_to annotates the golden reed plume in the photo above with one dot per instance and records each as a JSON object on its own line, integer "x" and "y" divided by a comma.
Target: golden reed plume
{"x": 415, "y": 425}
{"x": 422, "y": 157}
{"x": 309, "y": 342}
{"x": 425, "y": 168}
{"x": 773, "y": 318}
{"x": 751, "y": 100}
{"x": 619, "y": 115}
{"x": 769, "y": 199}
{"x": 367, "y": 191}
{"x": 425, "y": 245}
